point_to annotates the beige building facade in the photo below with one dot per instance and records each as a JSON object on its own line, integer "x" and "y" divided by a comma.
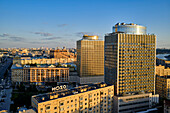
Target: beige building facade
{"x": 96, "y": 98}
{"x": 36, "y": 75}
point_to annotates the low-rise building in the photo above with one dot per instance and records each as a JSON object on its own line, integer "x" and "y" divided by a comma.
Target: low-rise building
{"x": 95, "y": 98}
{"x": 134, "y": 102}
{"x": 39, "y": 74}
{"x": 163, "y": 81}
{"x": 162, "y": 62}
{"x": 29, "y": 60}
{"x": 162, "y": 71}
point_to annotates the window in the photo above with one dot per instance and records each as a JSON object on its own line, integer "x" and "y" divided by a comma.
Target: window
{"x": 55, "y": 107}
{"x": 48, "y": 107}
{"x": 61, "y": 103}
{"x": 67, "y": 101}
{"x": 81, "y": 98}
{"x": 71, "y": 100}
{"x": 41, "y": 109}
{"x": 81, "y": 103}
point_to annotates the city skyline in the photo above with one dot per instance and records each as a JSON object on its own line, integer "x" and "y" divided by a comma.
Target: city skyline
{"x": 61, "y": 23}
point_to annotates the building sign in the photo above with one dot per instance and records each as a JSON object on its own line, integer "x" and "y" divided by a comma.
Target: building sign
{"x": 61, "y": 87}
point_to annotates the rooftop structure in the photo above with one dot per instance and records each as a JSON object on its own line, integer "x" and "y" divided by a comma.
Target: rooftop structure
{"x": 87, "y": 37}
{"x": 129, "y": 28}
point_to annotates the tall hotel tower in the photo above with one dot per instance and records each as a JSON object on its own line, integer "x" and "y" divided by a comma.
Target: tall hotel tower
{"x": 130, "y": 59}
{"x": 90, "y": 60}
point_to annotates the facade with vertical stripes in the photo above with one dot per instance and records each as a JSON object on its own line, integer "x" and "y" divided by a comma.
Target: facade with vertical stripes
{"x": 38, "y": 74}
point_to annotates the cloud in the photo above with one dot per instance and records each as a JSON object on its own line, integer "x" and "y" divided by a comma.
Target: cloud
{"x": 62, "y": 25}
{"x": 84, "y": 33}
{"x": 40, "y": 42}
{"x": 43, "y": 33}
{"x": 52, "y": 38}
{"x": 4, "y": 35}
{"x": 15, "y": 38}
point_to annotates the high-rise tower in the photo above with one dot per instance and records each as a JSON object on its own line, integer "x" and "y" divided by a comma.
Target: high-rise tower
{"x": 90, "y": 60}
{"x": 130, "y": 59}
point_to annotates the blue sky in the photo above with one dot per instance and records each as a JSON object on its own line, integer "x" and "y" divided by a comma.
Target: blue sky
{"x": 58, "y": 23}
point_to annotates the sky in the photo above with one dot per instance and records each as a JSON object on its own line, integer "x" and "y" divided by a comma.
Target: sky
{"x": 58, "y": 23}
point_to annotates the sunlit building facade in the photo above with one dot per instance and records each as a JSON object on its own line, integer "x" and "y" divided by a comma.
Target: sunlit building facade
{"x": 163, "y": 81}
{"x": 130, "y": 59}
{"x": 95, "y": 98}
{"x": 39, "y": 75}
{"x": 90, "y": 59}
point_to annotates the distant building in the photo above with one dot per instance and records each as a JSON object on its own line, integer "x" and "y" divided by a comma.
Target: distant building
{"x": 29, "y": 60}
{"x": 90, "y": 60}
{"x": 132, "y": 103}
{"x": 163, "y": 81}
{"x": 61, "y": 54}
{"x": 162, "y": 62}
{"x": 40, "y": 74}
{"x": 95, "y": 98}
{"x": 130, "y": 59}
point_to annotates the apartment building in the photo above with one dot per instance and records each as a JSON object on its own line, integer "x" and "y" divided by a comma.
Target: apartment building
{"x": 92, "y": 98}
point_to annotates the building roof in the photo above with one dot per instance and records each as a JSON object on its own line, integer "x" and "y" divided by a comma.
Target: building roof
{"x": 68, "y": 92}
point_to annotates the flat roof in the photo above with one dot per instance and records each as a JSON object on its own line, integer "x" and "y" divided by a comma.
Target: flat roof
{"x": 67, "y": 92}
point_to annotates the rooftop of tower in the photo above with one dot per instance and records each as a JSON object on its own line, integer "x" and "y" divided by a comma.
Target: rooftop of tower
{"x": 93, "y": 37}
{"x": 130, "y": 28}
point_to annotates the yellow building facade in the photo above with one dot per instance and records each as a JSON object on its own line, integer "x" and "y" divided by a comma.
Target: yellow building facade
{"x": 96, "y": 98}
{"x": 130, "y": 61}
{"x": 90, "y": 59}
{"x": 163, "y": 81}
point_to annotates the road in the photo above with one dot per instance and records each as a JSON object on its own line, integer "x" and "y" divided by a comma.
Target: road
{"x": 7, "y": 100}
